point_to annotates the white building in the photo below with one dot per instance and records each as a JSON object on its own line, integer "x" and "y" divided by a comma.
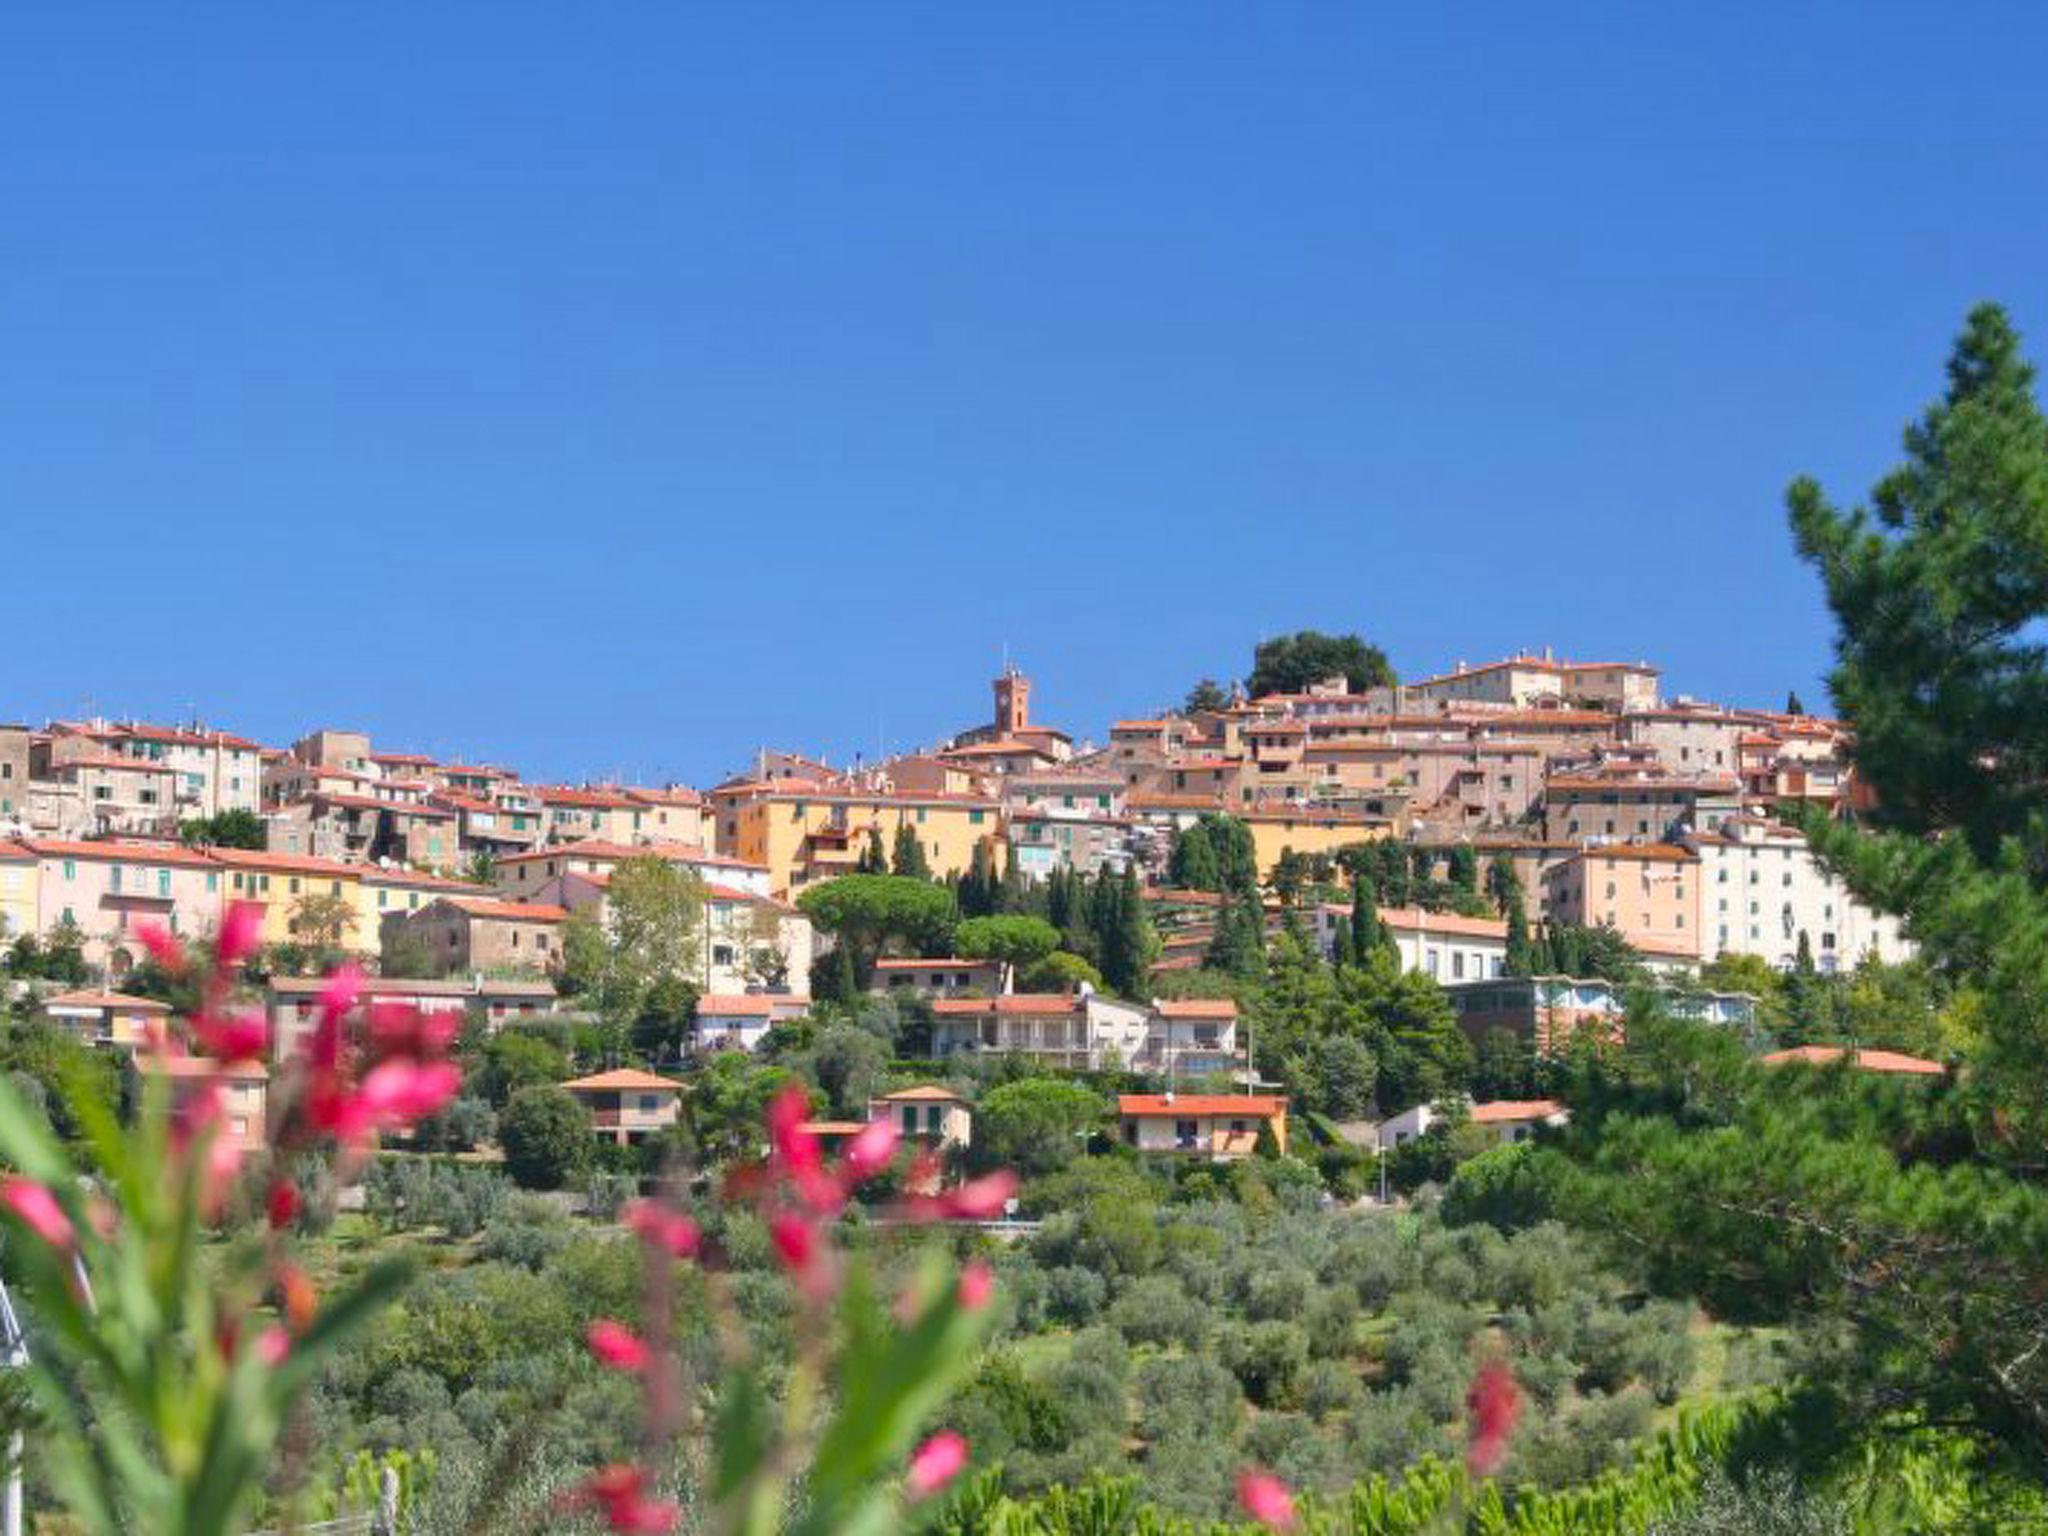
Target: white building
{"x": 1761, "y": 888}
{"x": 1439, "y": 944}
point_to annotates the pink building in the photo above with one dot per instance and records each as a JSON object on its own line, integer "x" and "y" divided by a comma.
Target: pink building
{"x": 108, "y": 888}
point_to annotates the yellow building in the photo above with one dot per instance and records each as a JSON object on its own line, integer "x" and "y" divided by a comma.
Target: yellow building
{"x": 19, "y": 873}
{"x": 280, "y": 882}
{"x": 1309, "y": 831}
{"x": 804, "y": 834}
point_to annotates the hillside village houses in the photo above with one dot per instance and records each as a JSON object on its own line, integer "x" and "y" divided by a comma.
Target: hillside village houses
{"x": 1612, "y": 801}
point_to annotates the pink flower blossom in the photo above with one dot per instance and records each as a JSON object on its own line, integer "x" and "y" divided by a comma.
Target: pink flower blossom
{"x": 241, "y": 932}
{"x": 617, "y": 1346}
{"x": 868, "y": 1153}
{"x": 233, "y": 1037}
{"x": 620, "y": 1491}
{"x": 980, "y": 1199}
{"x": 273, "y": 1344}
{"x": 162, "y": 944}
{"x": 37, "y": 1209}
{"x": 1266, "y": 1499}
{"x": 664, "y": 1228}
{"x": 1493, "y": 1403}
{"x": 796, "y": 1241}
{"x": 343, "y": 987}
{"x": 282, "y": 1204}
{"x": 977, "y": 1286}
{"x": 393, "y": 1094}
{"x": 788, "y": 1113}
{"x": 936, "y": 1463}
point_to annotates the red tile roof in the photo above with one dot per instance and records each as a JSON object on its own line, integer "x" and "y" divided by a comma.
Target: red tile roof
{"x": 621, "y": 1077}
{"x": 1015, "y": 1002}
{"x": 1867, "y": 1061}
{"x": 1191, "y": 1104}
{"x": 508, "y": 911}
{"x": 1507, "y": 1111}
{"x": 1196, "y": 1008}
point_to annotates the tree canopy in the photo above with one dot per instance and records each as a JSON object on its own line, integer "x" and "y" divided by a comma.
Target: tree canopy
{"x": 1289, "y": 663}
{"x": 866, "y": 912}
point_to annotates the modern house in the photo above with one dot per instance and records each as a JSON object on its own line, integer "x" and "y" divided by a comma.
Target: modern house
{"x": 1220, "y": 1128}
{"x": 627, "y": 1105}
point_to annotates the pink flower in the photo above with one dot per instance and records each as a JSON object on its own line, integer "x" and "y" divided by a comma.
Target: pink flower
{"x": 977, "y": 1286}
{"x": 282, "y": 1204}
{"x": 37, "y": 1209}
{"x": 1494, "y": 1402}
{"x": 982, "y": 1198}
{"x": 241, "y": 931}
{"x": 868, "y": 1153}
{"x": 273, "y": 1344}
{"x": 162, "y": 945}
{"x": 664, "y": 1228}
{"x": 788, "y": 1113}
{"x": 617, "y": 1346}
{"x": 1266, "y": 1499}
{"x": 620, "y": 1491}
{"x": 235, "y": 1037}
{"x": 343, "y": 987}
{"x": 796, "y": 1241}
{"x": 936, "y": 1463}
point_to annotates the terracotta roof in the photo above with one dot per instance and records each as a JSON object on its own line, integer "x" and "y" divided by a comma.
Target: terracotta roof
{"x": 1509, "y": 1110}
{"x": 946, "y": 961}
{"x": 589, "y": 799}
{"x": 1015, "y": 1002}
{"x": 621, "y": 1077}
{"x": 125, "y": 852}
{"x": 510, "y": 911}
{"x": 1196, "y": 1008}
{"x": 748, "y": 1004}
{"x": 112, "y": 760}
{"x": 924, "y": 1093}
{"x": 1867, "y": 1061}
{"x": 1652, "y": 853}
{"x": 1152, "y": 1104}
{"x": 833, "y": 1127}
{"x": 1413, "y": 919}
{"x": 290, "y": 863}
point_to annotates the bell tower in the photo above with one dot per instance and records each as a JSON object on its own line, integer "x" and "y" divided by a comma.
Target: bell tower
{"x": 1013, "y": 702}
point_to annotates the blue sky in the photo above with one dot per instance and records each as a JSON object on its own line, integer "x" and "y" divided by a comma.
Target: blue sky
{"x": 613, "y": 388}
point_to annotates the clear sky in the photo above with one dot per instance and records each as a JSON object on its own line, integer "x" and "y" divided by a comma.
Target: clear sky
{"x": 615, "y": 387}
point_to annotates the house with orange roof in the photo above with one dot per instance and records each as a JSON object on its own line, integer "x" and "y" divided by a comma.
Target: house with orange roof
{"x": 1217, "y": 1127}
{"x": 470, "y": 933}
{"x": 574, "y": 813}
{"x": 1501, "y": 1121}
{"x": 244, "y": 1089}
{"x": 103, "y": 1018}
{"x": 807, "y": 833}
{"x": 210, "y": 770}
{"x": 281, "y": 885}
{"x": 109, "y": 887}
{"x": 626, "y": 1104}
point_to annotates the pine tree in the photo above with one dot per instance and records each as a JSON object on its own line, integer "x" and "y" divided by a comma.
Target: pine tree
{"x": 1192, "y": 865}
{"x": 910, "y": 859}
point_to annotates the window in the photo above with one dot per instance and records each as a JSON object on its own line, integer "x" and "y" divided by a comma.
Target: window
{"x": 163, "y": 882}
{"x": 70, "y": 873}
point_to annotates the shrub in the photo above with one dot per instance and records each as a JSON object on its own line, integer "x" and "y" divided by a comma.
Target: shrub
{"x": 546, "y": 1135}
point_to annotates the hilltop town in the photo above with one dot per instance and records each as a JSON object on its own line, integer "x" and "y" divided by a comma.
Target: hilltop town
{"x": 1587, "y": 799}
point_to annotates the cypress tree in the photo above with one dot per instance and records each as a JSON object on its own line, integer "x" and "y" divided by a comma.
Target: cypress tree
{"x": 1521, "y": 954}
{"x": 910, "y": 859}
{"x": 873, "y": 861}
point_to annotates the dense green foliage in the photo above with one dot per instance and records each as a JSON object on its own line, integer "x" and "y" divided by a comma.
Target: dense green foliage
{"x": 1290, "y": 663}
